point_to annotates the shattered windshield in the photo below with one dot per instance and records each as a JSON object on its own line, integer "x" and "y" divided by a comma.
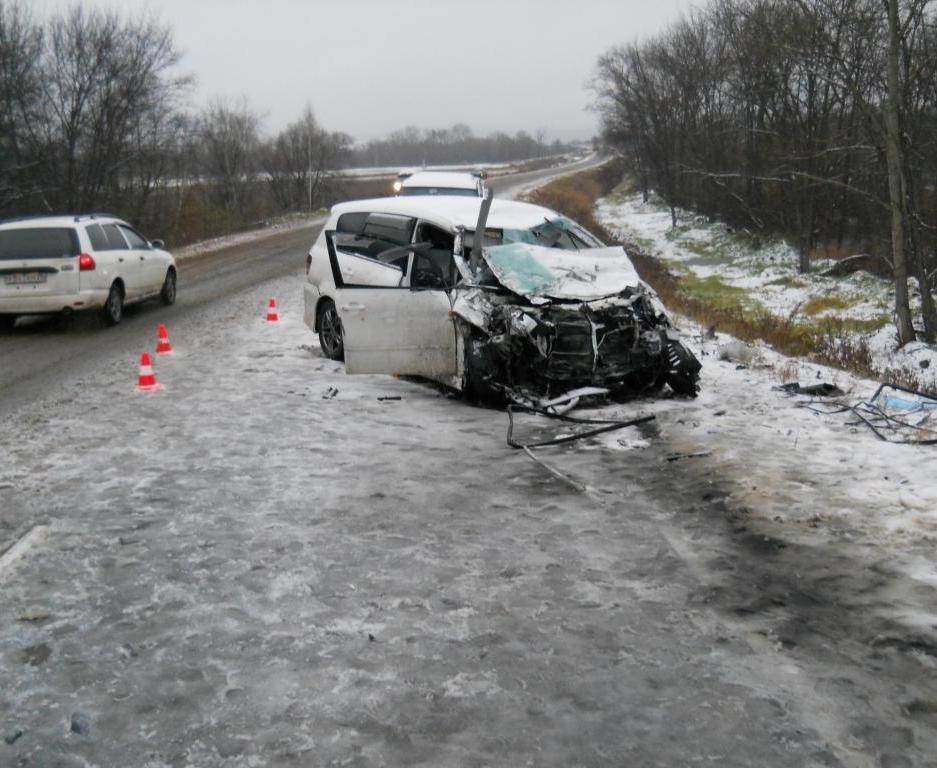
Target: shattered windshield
{"x": 553, "y": 233}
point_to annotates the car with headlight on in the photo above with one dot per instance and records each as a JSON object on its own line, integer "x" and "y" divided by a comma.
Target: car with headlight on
{"x": 441, "y": 183}
{"x": 499, "y": 299}
{"x": 65, "y": 264}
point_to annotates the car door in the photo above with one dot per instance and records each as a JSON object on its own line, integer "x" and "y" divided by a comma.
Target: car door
{"x": 394, "y": 329}
{"x": 125, "y": 262}
{"x": 151, "y": 265}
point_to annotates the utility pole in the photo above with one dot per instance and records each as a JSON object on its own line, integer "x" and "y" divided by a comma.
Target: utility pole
{"x": 309, "y": 167}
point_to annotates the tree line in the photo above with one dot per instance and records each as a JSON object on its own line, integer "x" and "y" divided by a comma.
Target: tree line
{"x": 94, "y": 117}
{"x": 412, "y": 146}
{"x": 814, "y": 119}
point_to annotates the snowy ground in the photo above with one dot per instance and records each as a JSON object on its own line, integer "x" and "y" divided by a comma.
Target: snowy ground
{"x": 268, "y": 562}
{"x": 768, "y": 275}
{"x": 790, "y": 459}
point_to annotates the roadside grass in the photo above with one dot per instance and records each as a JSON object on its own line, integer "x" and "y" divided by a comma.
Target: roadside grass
{"x": 816, "y": 305}
{"x": 813, "y": 330}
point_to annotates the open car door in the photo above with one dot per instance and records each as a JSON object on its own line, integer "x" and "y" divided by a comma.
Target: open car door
{"x": 401, "y": 328}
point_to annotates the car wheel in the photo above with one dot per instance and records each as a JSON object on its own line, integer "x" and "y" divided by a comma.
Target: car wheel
{"x": 481, "y": 370}
{"x": 330, "y": 332}
{"x": 682, "y": 374}
{"x": 7, "y": 322}
{"x": 114, "y": 306}
{"x": 168, "y": 293}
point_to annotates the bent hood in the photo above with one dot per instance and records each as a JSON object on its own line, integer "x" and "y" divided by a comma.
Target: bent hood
{"x": 542, "y": 274}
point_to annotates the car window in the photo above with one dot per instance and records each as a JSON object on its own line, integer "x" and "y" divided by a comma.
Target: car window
{"x": 115, "y": 240}
{"x": 553, "y": 233}
{"x": 390, "y": 227}
{"x": 447, "y": 191}
{"x": 97, "y": 237}
{"x": 358, "y": 260}
{"x": 135, "y": 239}
{"x": 434, "y": 267}
{"x": 375, "y": 248}
{"x": 352, "y": 222}
{"x": 38, "y": 243}
{"x": 378, "y": 236}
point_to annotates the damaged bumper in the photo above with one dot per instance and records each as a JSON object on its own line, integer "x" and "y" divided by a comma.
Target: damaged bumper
{"x": 541, "y": 351}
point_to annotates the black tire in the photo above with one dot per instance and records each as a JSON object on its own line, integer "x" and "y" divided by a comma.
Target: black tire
{"x": 167, "y": 294}
{"x": 682, "y": 373}
{"x": 481, "y": 369}
{"x": 331, "y": 337}
{"x": 114, "y": 306}
{"x": 6, "y": 323}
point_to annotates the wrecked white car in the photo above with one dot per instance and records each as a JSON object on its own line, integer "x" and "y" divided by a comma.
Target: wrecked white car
{"x": 535, "y": 308}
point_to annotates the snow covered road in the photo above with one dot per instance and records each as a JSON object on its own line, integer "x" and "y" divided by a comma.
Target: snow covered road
{"x": 269, "y": 563}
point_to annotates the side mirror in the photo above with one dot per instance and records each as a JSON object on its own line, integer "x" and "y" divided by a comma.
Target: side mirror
{"x": 157, "y": 243}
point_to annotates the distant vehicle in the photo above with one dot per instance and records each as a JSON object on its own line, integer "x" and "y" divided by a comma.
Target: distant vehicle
{"x": 440, "y": 183}
{"x": 403, "y": 285}
{"x": 64, "y": 264}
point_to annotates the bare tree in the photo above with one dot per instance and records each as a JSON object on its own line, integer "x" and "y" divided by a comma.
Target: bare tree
{"x": 812, "y": 118}
{"x": 229, "y": 132}
{"x": 296, "y": 161}
{"x": 105, "y": 85}
{"x": 20, "y": 51}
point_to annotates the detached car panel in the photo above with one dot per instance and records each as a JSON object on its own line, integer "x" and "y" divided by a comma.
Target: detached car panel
{"x": 543, "y": 308}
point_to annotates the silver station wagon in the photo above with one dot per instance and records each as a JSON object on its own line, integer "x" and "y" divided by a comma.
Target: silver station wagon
{"x": 63, "y": 264}
{"x": 503, "y": 300}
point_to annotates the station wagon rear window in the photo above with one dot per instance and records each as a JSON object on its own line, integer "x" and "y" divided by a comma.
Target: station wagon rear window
{"x": 38, "y": 243}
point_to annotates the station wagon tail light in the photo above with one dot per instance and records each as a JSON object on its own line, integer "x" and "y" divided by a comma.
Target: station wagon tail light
{"x": 86, "y": 262}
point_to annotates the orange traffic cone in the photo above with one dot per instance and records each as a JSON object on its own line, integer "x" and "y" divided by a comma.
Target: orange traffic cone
{"x": 147, "y": 380}
{"x": 272, "y": 316}
{"x": 163, "y": 346}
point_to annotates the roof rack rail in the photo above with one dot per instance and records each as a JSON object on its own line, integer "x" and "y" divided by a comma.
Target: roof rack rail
{"x": 80, "y": 216}
{"x": 32, "y": 216}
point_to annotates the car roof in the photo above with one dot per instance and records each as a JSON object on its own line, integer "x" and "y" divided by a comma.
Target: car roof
{"x": 27, "y": 222}
{"x": 455, "y": 179}
{"x": 453, "y": 211}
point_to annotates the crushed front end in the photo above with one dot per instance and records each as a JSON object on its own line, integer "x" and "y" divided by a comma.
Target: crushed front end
{"x": 620, "y": 344}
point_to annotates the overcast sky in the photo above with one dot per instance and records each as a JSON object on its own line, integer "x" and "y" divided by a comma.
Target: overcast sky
{"x": 368, "y": 67}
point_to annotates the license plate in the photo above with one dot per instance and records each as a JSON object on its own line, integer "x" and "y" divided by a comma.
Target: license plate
{"x": 24, "y": 278}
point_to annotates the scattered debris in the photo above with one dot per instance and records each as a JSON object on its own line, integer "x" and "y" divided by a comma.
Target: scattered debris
{"x": 900, "y": 415}
{"x": 80, "y": 723}
{"x": 894, "y": 413}
{"x": 608, "y": 425}
{"x": 35, "y": 616}
{"x": 814, "y": 390}
{"x": 13, "y": 736}
{"x": 679, "y": 456}
{"x": 736, "y": 351}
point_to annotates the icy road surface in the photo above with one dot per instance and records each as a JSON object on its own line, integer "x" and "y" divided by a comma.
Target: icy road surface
{"x": 268, "y": 563}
